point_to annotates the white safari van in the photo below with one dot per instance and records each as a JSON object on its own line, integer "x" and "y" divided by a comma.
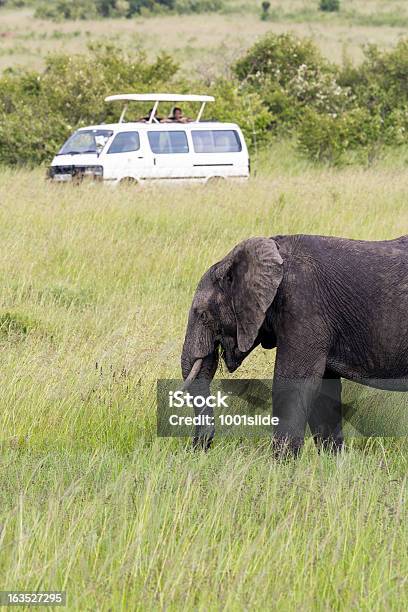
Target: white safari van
{"x": 154, "y": 149}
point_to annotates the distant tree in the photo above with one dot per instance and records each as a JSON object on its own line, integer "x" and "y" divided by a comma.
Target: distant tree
{"x": 137, "y": 5}
{"x": 330, "y": 6}
{"x": 89, "y": 9}
{"x": 265, "y": 10}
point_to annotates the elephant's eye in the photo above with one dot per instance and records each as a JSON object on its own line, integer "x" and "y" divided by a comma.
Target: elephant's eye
{"x": 203, "y": 317}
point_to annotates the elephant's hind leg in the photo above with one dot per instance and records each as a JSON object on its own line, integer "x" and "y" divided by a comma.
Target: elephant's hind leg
{"x": 325, "y": 420}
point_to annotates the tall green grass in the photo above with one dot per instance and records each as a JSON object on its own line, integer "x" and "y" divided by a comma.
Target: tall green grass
{"x": 95, "y": 288}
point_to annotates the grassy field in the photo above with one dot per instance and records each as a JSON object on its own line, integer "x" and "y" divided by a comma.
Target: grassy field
{"x": 95, "y": 288}
{"x": 208, "y": 43}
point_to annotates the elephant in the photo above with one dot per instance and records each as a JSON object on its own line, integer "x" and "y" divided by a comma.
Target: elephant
{"x": 334, "y": 308}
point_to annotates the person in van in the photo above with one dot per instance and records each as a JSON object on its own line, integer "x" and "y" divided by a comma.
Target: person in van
{"x": 177, "y": 116}
{"x": 146, "y": 118}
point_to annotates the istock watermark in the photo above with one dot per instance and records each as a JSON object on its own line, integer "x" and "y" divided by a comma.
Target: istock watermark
{"x": 181, "y": 399}
{"x": 244, "y": 407}
{"x": 233, "y": 407}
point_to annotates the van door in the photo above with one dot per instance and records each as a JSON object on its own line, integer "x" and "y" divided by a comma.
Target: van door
{"x": 124, "y": 157}
{"x": 171, "y": 154}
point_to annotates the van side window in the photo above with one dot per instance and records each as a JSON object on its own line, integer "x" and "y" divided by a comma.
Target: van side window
{"x": 162, "y": 142}
{"x": 125, "y": 142}
{"x": 216, "y": 141}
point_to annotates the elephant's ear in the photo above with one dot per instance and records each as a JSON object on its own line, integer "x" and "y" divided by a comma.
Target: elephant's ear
{"x": 254, "y": 272}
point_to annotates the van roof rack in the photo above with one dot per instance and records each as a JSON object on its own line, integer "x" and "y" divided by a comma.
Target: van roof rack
{"x": 159, "y": 97}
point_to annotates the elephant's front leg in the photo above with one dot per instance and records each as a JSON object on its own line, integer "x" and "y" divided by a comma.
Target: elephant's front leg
{"x": 292, "y": 401}
{"x": 297, "y": 381}
{"x": 325, "y": 418}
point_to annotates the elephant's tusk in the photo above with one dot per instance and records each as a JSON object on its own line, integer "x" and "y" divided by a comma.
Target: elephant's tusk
{"x": 193, "y": 374}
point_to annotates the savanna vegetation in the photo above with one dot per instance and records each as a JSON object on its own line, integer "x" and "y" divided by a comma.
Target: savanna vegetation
{"x": 90, "y": 9}
{"x": 95, "y": 288}
{"x": 281, "y": 87}
{"x": 205, "y": 45}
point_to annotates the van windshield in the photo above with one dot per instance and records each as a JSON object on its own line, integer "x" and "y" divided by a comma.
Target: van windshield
{"x": 86, "y": 141}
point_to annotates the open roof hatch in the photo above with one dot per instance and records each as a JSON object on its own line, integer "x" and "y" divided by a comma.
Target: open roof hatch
{"x": 159, "y": 97}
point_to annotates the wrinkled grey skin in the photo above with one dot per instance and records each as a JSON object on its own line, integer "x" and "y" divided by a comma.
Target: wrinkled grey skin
{"x": 332, "y": 307}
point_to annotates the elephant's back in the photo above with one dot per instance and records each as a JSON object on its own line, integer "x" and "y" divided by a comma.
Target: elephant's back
{"x": 332, "y": 245}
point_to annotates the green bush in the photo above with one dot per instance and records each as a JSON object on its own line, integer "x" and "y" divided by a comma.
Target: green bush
{"x": 198, "y": 6}
{"x": 67, "y": 9}
{"x": 381, "y": 80}
{"x": 396, "y": 127}
{"x": 265, "y": 8}
{"x": 327, "y": 138}
{"x": 243, "y": 107}
{"x": 277, "y": 59}
{"x": 282, "y": 84}
{"x": 38, "y": 111}
{"x": 329, "y": 6}
{"x": 90, "y": 9}
{"x": 380, "y": 86}
{"x": 332, "y": 111}
{"x": 137, "y": 6}
{"x": 291, "y": 75}
{"x": 17, "y": 3}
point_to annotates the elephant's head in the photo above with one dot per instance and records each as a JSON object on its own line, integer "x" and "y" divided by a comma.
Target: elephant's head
{"x": 229, "y": 308}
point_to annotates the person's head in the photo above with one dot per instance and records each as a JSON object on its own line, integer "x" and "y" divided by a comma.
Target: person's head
{"x": 177, "y": 113}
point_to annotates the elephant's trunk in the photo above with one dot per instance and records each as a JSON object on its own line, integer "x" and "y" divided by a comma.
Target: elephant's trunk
{"x": 198, "y": 368}
{"x": 199, "y": 361}
{"x": 194, "y": 372}
{"x": 197, "y": 379}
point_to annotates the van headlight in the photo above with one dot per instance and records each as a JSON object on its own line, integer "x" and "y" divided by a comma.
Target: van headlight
{"x": 96, "y": 171}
